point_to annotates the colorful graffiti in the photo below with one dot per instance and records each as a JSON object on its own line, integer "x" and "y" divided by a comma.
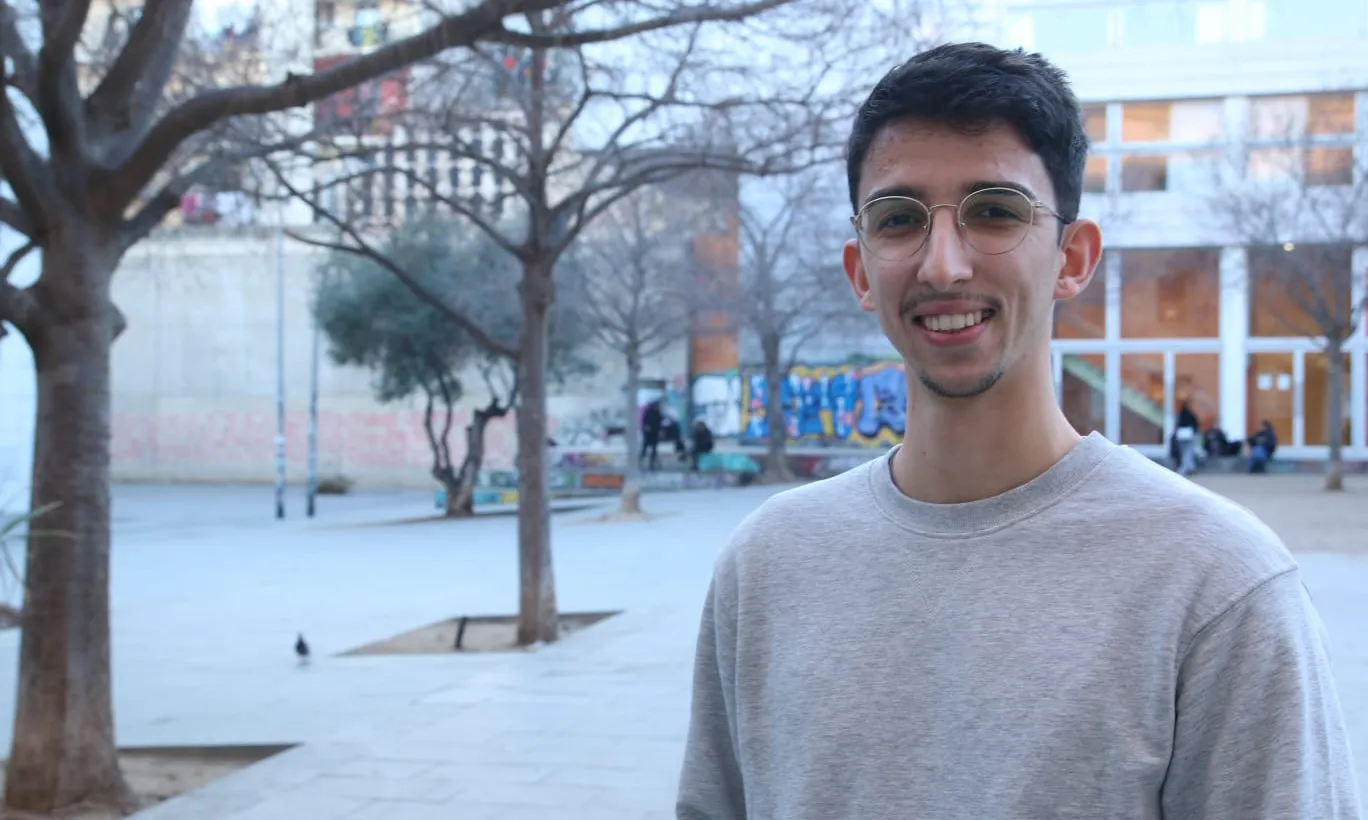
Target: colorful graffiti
{"x": 862, "y": 405}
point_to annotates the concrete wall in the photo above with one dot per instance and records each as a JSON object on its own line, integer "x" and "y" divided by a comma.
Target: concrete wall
{"x": 194, "y": 395}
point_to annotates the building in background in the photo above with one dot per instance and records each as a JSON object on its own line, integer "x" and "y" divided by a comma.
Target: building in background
{"x": 194, "y": 375}
{"x": 1183, "y": 306}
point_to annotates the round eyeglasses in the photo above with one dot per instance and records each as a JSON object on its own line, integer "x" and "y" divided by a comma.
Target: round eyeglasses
{"x": 992, "y": 221}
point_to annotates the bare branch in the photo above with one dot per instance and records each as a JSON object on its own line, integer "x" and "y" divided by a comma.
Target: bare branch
{"x": 15, "y": 258}
{"x": 27, "y": 175}
{"x": 676, "y": 17}
{"x": 129, "y": 92}
{"x": 62, "y": 25}
{"x": 17, "y": 306}
{"x": 58, "y": 95}
{"x": 168, "y": 197}
{"x": 465, "y": 210}
{"x": 211, "y": 107}
{"x": 1300, "y": 217}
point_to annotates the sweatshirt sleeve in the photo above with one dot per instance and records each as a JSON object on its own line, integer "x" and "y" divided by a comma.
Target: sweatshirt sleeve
{"x": 710, "y": 785}
{"x": 1260, "y": 734}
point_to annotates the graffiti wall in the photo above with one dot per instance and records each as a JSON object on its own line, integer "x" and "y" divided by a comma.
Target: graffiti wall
{"x": 847, "y": 404}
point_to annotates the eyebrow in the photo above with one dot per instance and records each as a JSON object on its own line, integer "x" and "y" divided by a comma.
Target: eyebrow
{"x": 965, "y": 190}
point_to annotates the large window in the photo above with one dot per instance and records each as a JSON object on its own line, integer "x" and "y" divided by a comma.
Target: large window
{"x": 1085, "y": 315}
{"x": 1142, "y": 398}
{"x": 1170, "y": 294}
{"x": 1172, "y": 135}
{"x": 1095, "y": 121}
{"x": 1309, "y": 138}
{"x": 1316, "y": 398}
{"x": 1148, "y": 393}
{"x": 1299, "y": 290}
{"x": 1197, "y": 381}
{"x": 1095, "y": 172}
{"x": 1270, "y": 392}
{"x": 1083, "y": 391}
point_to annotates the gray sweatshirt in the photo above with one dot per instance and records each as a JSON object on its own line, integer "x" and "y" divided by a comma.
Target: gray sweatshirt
{"x": 1106, "y": 642}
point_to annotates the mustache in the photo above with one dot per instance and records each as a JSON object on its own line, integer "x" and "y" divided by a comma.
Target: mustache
{"x": 912, "y": 304}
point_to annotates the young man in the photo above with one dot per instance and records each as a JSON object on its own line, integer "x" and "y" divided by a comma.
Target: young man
{"x": 1001, "y": 620}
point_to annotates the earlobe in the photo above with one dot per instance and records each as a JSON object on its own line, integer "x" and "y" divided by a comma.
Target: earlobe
{"x": 855, "y": 272}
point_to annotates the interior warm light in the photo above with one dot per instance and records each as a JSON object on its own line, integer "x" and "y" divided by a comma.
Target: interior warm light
{"x": 1288, "y": 246}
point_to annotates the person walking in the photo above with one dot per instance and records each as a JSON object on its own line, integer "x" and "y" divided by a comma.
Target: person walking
{"x": 652, "y": 420}
{"x": 1185, "y": 440}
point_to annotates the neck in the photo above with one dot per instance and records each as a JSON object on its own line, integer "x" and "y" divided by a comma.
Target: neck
{"x": 960, "y": 450}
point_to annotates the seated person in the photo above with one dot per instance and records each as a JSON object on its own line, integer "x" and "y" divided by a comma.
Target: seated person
{"x": 1262, "y": 445}
{"x": 702, "y": 439}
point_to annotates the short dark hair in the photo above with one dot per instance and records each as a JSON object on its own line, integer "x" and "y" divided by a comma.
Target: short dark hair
{"x": 971, "y": 86}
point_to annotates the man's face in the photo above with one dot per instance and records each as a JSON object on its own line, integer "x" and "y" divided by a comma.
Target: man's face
{"x": 962, "y": 319}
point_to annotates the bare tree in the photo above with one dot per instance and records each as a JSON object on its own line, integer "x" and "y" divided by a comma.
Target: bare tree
{"x": 638, "y": 291}
{"x": 566, "y": 133}
{"x": 1299, "y": 203}
{"x": 791, "y": 289}
{"x": 85, "y": 148}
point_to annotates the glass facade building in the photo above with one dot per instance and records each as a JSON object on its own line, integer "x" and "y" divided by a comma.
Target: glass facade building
{"x": 1200, "y": 112}
{"x": 1193, "y": 304}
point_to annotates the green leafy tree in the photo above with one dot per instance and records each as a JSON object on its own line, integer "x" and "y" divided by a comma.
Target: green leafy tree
{"x": 373, "y": 319}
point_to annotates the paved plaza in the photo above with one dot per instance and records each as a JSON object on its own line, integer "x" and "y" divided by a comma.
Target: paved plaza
{"x": 209, "y": 592}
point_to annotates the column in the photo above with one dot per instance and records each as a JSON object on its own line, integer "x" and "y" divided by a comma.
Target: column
{"x": 18, "y": 396}
{"x": 1234, "y": 335}
{"x": 1358, "y": 376}
{"x": 1112, "y": 357}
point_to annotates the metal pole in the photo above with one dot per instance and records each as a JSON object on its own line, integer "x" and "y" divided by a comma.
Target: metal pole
{"x": 280, "y": 374}
{"x": 313, "y": 421}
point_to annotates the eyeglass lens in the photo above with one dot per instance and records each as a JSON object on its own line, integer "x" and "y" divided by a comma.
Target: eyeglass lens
{"x": 992, "y": 221}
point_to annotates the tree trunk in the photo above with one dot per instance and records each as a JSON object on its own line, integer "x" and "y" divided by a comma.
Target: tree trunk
{"x": 537, "y": 616}
{"x": 630, "y": 503}
{"x": 776, "y": 421}
{"x": 461, "y": 491}
{"x": 63, "y": 751}
{"x": 1334, "y": 465}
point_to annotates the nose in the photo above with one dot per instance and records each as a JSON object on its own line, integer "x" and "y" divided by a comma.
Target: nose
{"x": 945, "y": 260}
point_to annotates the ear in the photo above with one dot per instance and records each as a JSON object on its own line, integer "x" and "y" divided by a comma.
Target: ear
{"x": 1079, "y": 255}
{"x": 855, "y": 272}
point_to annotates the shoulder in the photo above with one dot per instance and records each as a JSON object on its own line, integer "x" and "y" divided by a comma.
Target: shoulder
{"x": 815, "y": 516}
{"x": 1218, "y": 549}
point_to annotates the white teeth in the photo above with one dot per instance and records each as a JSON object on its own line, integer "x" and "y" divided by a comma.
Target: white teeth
{"x": 952, "y": 321}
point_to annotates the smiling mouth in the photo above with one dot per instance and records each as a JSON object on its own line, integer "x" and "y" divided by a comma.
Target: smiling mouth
{"x": 954, "y": 322}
